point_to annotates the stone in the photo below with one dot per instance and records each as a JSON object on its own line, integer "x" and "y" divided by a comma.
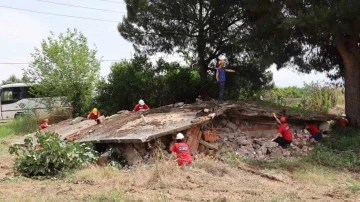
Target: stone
{"x": 305, "y": 148}
{"x": 299, "y": 135}
{"x": 263, "y": 150}
{"x": 243, "y": 142}
{"x": 227, "y": 130}
{"x": 232, "y": 126}
{"x": 104, "y": 159}
{"x": 258, "y": 142}
{"x": 256, "y": 146}
{"x": 132, "y": 156}
{"x": 276, "y": 152}
{"x": 231, "y": 136}
{"x": 179, "y": 104}
{"x": 201, "y": 149}
{"x": 270, "y": 144}
{"x": 141, "y": 149}
{"x": 224, "y": 122}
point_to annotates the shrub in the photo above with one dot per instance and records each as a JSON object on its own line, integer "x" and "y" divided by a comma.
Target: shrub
{"x": 49, "y": 156}
{"x": 319, "y": 97}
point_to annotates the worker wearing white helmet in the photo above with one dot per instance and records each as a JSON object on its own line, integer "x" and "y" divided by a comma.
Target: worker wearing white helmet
{"x": 141, "y": 106}
{"x": 343, "y": 122}
{"x": 182, "y": 150}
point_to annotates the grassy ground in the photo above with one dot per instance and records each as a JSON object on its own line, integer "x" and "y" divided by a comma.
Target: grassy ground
{"x": 206, "y": 180}
{"x": 326, "y": 174}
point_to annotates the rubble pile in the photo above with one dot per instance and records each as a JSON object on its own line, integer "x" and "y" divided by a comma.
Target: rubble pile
{"x": 217, "y": 138}
{"x": 256, "y": 147}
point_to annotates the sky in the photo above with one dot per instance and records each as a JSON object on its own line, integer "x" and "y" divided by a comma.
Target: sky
{"x": 21, "y": 31}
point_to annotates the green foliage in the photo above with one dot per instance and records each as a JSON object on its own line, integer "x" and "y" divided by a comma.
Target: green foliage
{"x": 66, "y": 66}
{"x": 22, "y": 125}
{"x": 319, "y": 98}
{"x": 53, "y": 156}
{"x": 160, "y": 84}
{"x": 313, "y": 97}
{"x": 14, "y": 79}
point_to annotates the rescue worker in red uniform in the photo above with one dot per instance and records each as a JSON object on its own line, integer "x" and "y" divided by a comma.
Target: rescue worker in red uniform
{"x": 182, "y": 150}
{"x": 314, "y": 131}
{"x": 284, "y": 135}
{"x": 141, "y": 106}
{"x": 94, "y": 114}
{"x": 44, "y": 124}
{"x": 343, "y": 122}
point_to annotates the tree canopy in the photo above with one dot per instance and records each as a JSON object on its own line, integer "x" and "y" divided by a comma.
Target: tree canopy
{"x": 66, "y": 66}
{"x": 324, "y": 36}
{"x": 14, "y": 79}
{"x": 200, "y": 30}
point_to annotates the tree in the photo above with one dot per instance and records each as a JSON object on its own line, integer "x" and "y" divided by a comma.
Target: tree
{"x": 66, "y": 66}
{"x": 324, "y": 36}
{"x": 158, "y": 84}
{"x": 14, "y": 79}
{"x": 200, "y": 30}
{"x": 11, "y": 79}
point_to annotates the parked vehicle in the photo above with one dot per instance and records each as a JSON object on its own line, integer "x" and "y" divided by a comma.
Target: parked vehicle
{"x": 16, "y": 100}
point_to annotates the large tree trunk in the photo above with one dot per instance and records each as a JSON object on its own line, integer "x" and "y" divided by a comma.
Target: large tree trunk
{"x": 201, "y": 44}
{"x": 203, "y": 79}
{"x": 351, "y": 59}
{"x": 352, "y": 90}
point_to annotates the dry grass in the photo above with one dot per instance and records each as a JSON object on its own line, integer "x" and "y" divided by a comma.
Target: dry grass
{"x": 205, "y": 180}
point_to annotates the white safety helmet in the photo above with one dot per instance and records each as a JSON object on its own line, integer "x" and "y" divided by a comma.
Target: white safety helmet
{"x": 343, "y": 115}
{"x": 141, "y": 102}
{"x": 179, "y": 136}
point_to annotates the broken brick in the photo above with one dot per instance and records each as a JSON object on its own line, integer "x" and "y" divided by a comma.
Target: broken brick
{"x": 193, "y": 136}
{"x": 210, "y": 136}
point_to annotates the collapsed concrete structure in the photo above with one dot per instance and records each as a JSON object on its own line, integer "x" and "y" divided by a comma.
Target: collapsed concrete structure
{"x": 209, "y": 129}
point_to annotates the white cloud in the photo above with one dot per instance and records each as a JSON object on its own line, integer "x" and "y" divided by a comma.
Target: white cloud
{"x": 288, "y": 77}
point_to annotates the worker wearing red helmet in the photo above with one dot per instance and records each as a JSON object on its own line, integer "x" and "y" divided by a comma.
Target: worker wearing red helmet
{"x": 44, "y": 124}
{"x": 284, "y": 136}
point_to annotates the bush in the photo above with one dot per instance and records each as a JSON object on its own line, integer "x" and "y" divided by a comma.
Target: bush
{"x": 319, "y": 97}
{"x": 49, "y": 156}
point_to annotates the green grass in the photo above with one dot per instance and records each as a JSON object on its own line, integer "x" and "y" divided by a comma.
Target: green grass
{"x": 114, "y": 195}
{"x": 340, "y": 151}
{"x": 20, "y": 126}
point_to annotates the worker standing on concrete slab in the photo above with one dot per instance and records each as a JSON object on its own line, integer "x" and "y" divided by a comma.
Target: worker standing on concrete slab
{"x": 284, "y": 136}
{"x": 221, "y": 78}
{"x": 141, "y": 106}
{"x": 314, "y": 131}
{"x": 44, "y": 124}
{"x": 182, "y": 150}
{"x": 94, "y": 114}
